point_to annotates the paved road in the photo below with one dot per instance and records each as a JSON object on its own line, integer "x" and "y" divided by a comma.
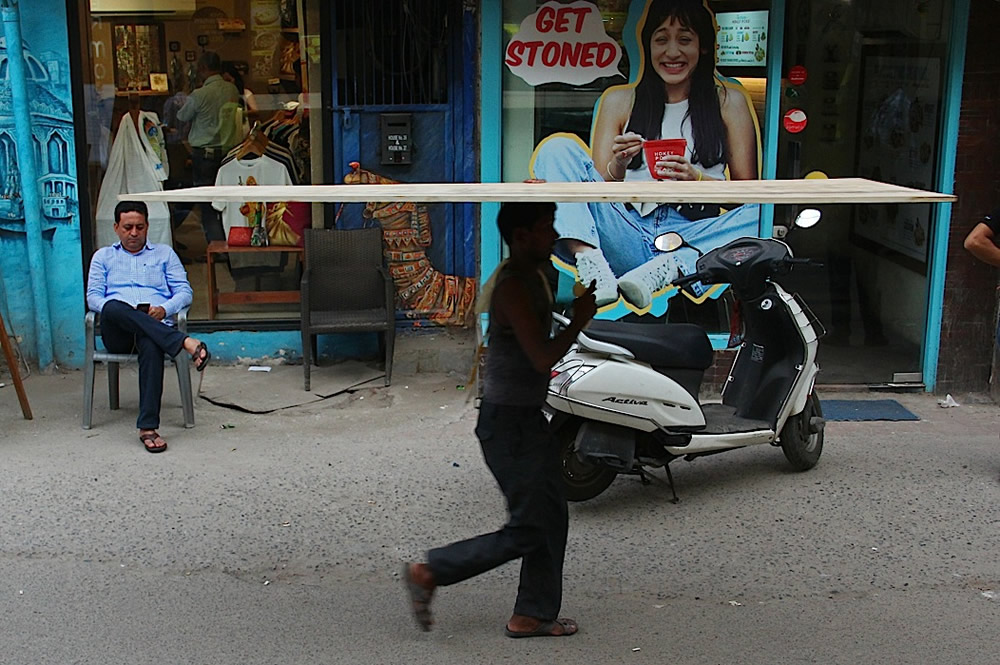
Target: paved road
{"x": 280, "y": 541}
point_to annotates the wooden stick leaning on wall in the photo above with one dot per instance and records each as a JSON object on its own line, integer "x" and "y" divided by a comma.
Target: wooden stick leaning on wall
{"x": 15, "y": 372}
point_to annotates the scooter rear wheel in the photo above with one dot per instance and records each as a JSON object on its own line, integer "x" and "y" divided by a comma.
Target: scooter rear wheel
{"x": 582, "y": 480}
{"x": 801, "y": 445}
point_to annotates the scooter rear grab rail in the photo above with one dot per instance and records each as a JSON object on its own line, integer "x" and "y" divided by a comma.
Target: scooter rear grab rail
{"x": 591, "y": 344}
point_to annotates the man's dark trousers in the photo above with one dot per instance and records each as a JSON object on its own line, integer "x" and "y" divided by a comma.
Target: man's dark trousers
{"x": 205, "y": 164}
{"x": 524, "y": 458}
{"x": 127, "y": 330}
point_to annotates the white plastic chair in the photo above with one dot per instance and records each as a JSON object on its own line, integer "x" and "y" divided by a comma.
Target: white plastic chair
{"x": 113, "y": 360}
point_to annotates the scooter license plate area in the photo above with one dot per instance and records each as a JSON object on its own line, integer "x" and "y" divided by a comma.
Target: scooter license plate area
{"x": 607, "y": 444}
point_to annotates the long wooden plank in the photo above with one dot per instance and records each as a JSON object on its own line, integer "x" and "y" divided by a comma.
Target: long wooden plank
{"x": 834, "y": 190}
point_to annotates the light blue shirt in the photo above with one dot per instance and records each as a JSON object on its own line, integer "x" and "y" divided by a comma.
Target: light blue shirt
{"x": 154, "y": 275}
{"x": 202, "y": 109}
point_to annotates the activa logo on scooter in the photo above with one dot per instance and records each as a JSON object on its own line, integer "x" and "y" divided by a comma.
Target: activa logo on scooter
{"x": 621, "y": 400}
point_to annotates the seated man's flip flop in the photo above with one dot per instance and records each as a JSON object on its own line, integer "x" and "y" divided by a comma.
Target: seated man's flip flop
{"x": 150, "y": 437}
{"x": 201, "y": 356}
{"x": 545, "y": 629}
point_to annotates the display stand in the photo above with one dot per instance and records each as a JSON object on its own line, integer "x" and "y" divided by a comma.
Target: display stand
{"x": 215, "y": 298}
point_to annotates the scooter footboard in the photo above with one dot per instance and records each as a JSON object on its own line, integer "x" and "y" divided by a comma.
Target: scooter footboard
{"x": 607, "y": 444}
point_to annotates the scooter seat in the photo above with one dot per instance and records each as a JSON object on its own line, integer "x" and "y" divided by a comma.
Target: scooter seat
{"x": 680, "y": 345}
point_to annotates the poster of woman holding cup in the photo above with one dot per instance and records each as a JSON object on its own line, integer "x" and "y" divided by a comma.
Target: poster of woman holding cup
{"x": 677, "y": 119}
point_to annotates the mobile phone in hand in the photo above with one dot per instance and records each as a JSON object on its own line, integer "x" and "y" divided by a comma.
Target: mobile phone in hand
{"x": 143, "y": 307}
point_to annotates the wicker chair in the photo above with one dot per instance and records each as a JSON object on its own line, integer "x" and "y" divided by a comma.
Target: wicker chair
{"x": 92, "y": 356}
{"x": 346, "y": 288}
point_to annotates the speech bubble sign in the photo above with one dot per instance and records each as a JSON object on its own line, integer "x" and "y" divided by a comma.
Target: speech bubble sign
{"x": 563, "y": 43}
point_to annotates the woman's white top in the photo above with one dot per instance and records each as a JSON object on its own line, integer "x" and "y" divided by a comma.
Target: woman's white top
{"x": 675, "y": 124}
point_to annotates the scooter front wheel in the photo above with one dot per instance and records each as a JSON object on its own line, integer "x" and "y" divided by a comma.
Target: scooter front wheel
{"x": 802, "y": 437}
{"x": 581, "y": 480}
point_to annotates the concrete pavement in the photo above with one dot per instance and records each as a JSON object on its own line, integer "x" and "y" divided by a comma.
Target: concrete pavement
{"x": 279, "y": 540}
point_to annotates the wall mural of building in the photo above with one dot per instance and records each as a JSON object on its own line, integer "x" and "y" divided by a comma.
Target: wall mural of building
{"x": 52, "y": 129}
{"x": 46, "y": 58}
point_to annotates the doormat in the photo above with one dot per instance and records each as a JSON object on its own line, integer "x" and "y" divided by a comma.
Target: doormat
{"x": 865, "y": 409}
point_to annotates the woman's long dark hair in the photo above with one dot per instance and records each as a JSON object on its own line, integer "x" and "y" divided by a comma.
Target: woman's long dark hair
{"x": 707, "y": 128}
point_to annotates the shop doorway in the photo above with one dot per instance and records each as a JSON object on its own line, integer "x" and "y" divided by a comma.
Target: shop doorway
{"x": 865, "y": 99}
{"x": 403, "y": 109}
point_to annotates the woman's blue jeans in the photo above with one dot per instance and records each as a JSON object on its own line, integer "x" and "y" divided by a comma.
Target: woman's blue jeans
{"x": 623, "y": 235}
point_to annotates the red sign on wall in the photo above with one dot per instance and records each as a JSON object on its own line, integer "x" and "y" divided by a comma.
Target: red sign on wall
{"x": 797, "y": 75}
{"x": 795, "y": 120}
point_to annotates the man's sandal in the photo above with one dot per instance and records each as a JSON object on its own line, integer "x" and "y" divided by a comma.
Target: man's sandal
{"x": 149, "y": 437}
{"x": 199, "y": 358}
{"x": 545, "y": 629}
{"x": 420, "y": 599}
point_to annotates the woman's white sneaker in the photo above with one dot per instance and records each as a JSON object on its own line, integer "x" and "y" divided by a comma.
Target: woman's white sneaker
{"x": 640, "y": 283}
{"x": 591, "y": 266}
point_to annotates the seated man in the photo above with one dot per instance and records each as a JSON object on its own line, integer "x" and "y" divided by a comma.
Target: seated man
{"x": 137, "y": 288}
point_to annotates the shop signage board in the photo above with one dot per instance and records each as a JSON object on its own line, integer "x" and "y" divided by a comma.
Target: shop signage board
{"x": 563, "y": 43}
{"x": 742, "y": 38}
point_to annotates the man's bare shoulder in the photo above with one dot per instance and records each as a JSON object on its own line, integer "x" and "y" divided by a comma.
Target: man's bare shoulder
{"x": 511, "y": 286}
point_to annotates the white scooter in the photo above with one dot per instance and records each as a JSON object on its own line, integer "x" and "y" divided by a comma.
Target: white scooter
{"x": 624, "y": 398}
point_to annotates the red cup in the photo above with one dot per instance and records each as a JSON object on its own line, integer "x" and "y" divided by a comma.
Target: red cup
{"x": 657, "y": 149}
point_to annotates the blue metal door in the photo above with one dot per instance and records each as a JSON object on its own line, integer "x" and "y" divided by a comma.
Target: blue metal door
{"x": 415, "y": 57}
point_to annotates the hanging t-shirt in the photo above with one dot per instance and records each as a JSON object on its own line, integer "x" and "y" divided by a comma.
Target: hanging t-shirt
{"x": 249, "y": 173}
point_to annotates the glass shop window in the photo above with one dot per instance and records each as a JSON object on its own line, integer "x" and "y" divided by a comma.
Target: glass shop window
{"x": 180, "y": 93}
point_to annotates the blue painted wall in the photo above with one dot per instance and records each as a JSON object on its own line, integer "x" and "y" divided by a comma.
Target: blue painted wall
{"x": 240, "y": 346}
{"x": 44, "y": 30}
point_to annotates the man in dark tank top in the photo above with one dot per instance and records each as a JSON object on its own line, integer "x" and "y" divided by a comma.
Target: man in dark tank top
{"x": 517, "y": 446}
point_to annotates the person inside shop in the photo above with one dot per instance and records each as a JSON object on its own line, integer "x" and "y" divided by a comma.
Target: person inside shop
{"x": 678, "y": 96}
{"x": 211, "y": 110}
{"x": 983, "y": 242}
{"x": 247, "y": 98}
{"x": 514, "y": 435}
{"x": 175, "y": 134}
{"x": 138, "y": 287}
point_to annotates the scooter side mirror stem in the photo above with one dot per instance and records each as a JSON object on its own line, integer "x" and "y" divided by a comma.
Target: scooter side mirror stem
{"x": 805, "y": 219}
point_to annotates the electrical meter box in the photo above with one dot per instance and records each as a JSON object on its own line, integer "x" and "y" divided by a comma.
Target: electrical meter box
{"x": 396, "y": 138}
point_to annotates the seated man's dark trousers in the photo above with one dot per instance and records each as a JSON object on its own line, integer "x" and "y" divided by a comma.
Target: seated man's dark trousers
{"x": 524, "y": 458}
{"x": 127, "y": 330}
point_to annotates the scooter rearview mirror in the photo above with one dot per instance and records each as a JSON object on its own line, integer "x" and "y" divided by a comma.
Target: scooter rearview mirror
{"x": 807, "y": 218}
{"x": 668, "y": 242}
